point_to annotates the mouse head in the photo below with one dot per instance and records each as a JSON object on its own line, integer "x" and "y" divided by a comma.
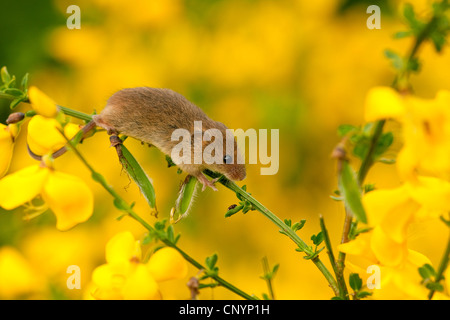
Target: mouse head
{"x": 221, "y": 153}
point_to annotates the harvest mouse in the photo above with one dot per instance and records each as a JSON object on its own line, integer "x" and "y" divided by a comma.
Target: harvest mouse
{"x": 151, "y": 115}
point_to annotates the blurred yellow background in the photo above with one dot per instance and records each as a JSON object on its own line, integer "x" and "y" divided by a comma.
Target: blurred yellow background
{"x": 302, "y": 67}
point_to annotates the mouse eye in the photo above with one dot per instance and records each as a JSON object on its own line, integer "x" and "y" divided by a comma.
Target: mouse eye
{"x": 227, "y": 159}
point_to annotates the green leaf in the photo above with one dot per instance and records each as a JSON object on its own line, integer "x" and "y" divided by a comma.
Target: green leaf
{"x": 148, "y": 238}
{"x": 247, "y": 207}
{"x": 345, "y": 129}
{"x": 13, "y": 92}
{"x": 275, "y": 269}
{"x": 427, "y": 271}
{"x": 97, "y": 177}
{"x": 363, "y": 294}
{"x": 383, "y": 144}
{"x": 15, "y": 103}
{"x": 337, "y": 298}
{"x": 387, "y": 161}
{"x": 413, "y": 64}
{"x": 177, "y": 237}
{"x": 298, "y": 225}
{"x": 396, "y": 60}
{"x": 24, "y": 83}
{"x": 369, "y": 187}
{"x": 170, "y": 234}
{"x": 361, "y": 149}
{"x": 233, "y": 210}
{"x": 288, "y": 222}
{"x": 438, "y": 39}
{"x": 410, "y": 16}
{"x": 139, "y": 176}
{"x": 317, "y": 239}
{"x": 355, "y": 281}
{"x": 350, "y": 191}
{"x": 402, "y": 34}
{"x": 435, "y": 286}
{"x": 120, "y": 204}
{"x": 336, "y": 198}
{"x": 160, "y": 225}
{"x": 6, "y": 78}
{"x": 211, "y": 261}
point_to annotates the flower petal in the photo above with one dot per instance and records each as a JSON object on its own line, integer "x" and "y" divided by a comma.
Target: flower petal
{"x": 140, "y": 285}
{"x": 432, "y": 193}
{"x": 166, "y": 264}
{"x": 69, "y": 198}
{"x": 359, "y": 247}
{"x": 43, "y": 104}
{"x": 22, "y": 186}
{"x": 396, "y": 223}
{"x": 121, "y": 248}
{"x": 44, "y": 136}
{"x": 382, "y": 103}
{"x": 108, "y": 282}
{"x": 384, "y": 202}
{"x": 6, "y": 149}
{"x": 387, "y": 251}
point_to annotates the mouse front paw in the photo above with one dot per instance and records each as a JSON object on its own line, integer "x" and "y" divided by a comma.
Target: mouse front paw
{"x": 207, "y": 183}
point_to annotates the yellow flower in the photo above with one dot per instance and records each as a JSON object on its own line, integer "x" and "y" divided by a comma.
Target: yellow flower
{"x": 377, "y": 247}
{"x": 391, "y": 212}
{"x": 17, "y": 276}
{"x": 7, "y": 136}
{"x": 41, "y": 103}
{"x": 66, "y": 195}
{"x": 395, "y": 282}
{"x": 44, "y": 136}
{"x": 425, "y": 126}
{"x": 383, "y": 103}
{"x": 403, "y": 283}
{"x": 125, "y": 276}
{"x": 166, "y": 264}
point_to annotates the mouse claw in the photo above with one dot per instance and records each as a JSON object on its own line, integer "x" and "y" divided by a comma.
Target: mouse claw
{"x": 207, "y": 183}
{"x": 115, "y": 141}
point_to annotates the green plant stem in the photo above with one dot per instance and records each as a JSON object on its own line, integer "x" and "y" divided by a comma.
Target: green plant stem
{"x": 266, "y": 269}
{"x": 369, "y": 158}
{"x": 232, "y": 186}
{"x": 399, "y": 84}
{"x": 128, "y": 209}
{"x": 75, "y": 113}
{"x": 442, "y": 267}
{"x": 277, "y": 221}
{"x": 343, "y": 292}
{"x": 366, "y": 164}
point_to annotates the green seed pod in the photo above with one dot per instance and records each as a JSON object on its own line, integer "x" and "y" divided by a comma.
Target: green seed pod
{"x": 185, "y": 199}
{"x": 233, "y": 210}
{"x": 139, "y": 176}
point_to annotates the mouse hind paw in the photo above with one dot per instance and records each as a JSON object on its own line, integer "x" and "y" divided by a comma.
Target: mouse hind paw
{"x": 206, "y": 183}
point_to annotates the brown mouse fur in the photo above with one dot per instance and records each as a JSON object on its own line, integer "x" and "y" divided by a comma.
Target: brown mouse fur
{"x": 151, "y": 115}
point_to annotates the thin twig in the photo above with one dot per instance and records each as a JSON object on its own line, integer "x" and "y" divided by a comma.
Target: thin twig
{"x": 277, "y": 221}
{"x": 128, "y": 209}
{"x": 343, "y": 292}
{"x": 442, "y": 267}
